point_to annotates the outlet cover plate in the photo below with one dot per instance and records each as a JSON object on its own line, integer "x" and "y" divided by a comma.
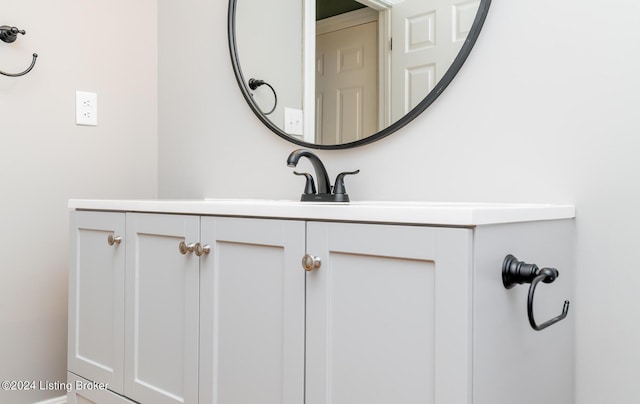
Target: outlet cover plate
{"x": 86, "y": 108}
{"x": 293, "y": 121}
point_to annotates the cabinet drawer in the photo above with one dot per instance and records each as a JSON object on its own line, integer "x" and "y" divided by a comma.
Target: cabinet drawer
{"x": 84, "y": 391}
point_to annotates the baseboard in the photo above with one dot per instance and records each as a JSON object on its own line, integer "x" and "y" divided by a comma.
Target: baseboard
{"x": 56, "y": 400}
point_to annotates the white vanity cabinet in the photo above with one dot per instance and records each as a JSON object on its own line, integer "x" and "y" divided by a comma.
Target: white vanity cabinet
{"x": 133, "y": 304}
{"x": 419, "y": 315}
{"x": 225, "y": 327}
{"x": 393, "y": 312}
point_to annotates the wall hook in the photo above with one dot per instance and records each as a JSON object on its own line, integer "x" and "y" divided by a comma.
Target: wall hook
{"x": 8, "y": 35}
{"x": 518, "y": 272}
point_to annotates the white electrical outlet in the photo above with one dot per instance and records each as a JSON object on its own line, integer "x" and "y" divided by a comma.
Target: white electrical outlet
{"x": 293, "y": 121}
{"x": 86, "y": 108}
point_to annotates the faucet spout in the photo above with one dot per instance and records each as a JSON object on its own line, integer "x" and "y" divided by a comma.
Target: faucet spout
{"x": 321, "y": 172}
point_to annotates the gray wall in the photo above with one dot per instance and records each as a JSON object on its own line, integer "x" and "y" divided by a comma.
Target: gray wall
{"x": 544, "y": 110}
{"x": 107, "y": 47}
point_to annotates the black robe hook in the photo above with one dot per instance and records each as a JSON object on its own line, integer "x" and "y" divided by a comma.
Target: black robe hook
{"x": 9, "y": 34}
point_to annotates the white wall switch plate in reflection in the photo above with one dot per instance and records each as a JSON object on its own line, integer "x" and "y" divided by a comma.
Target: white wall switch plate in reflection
{"x": 293, "y": 121}
{"x": 86, "y": 108}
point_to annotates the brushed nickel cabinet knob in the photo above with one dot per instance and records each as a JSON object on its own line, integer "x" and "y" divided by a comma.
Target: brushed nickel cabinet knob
{"x": 185, "y": 248}
{"x": 309, "y": 262}
{"x": 114, "y": 239}
{"x": 201, "y": 249}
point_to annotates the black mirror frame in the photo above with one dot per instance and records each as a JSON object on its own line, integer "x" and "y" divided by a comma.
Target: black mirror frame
{"x": 411, "y": 115}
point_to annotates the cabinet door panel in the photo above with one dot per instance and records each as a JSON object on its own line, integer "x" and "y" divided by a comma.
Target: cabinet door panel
{"x": 96, "y": 297}
{"x": 161, "y": 364}
{"x": 388, "y": 315}
{"x": 252, "y": 312}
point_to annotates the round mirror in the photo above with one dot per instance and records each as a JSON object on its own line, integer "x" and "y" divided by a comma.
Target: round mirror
{"x": 334, "y": 74}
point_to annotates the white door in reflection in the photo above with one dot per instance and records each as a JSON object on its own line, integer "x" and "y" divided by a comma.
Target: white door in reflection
{"x": 427, "y": 36}
{"x": 346, "y": 83}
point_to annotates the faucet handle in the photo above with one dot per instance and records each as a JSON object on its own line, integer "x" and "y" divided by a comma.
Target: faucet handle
{"x": 310, "y": 186}
{"x": 339, "y": 187}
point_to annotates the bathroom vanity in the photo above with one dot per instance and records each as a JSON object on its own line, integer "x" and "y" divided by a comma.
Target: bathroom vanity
{"x": 281, "y": 302}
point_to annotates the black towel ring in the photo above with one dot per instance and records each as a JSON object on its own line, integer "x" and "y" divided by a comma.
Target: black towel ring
{"x": 255, "y": 83}
{"x": 8, "y": 35}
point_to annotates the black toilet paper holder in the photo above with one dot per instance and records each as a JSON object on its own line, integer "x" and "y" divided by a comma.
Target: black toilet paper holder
{"x": 516, "y": 272}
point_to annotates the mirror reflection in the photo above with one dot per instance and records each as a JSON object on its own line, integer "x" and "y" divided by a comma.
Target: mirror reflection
{"x": 334, "y": 72}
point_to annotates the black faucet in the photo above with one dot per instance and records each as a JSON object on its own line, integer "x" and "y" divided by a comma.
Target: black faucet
{"x": 324, "y": 193}
{"x": 321, "y": 172}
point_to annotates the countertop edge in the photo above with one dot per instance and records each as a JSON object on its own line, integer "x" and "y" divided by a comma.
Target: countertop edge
{"x": 415, "y": 213}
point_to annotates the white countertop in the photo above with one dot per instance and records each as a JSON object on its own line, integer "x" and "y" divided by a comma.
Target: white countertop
{"x": 425, "y": 213}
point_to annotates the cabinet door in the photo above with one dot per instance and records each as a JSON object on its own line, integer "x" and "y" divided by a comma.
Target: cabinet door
{"x": 161, "y": 313}
{"x": 96, "y": 297}
{"x": 388, "y": 315}
{"x": 252, "y": 312}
